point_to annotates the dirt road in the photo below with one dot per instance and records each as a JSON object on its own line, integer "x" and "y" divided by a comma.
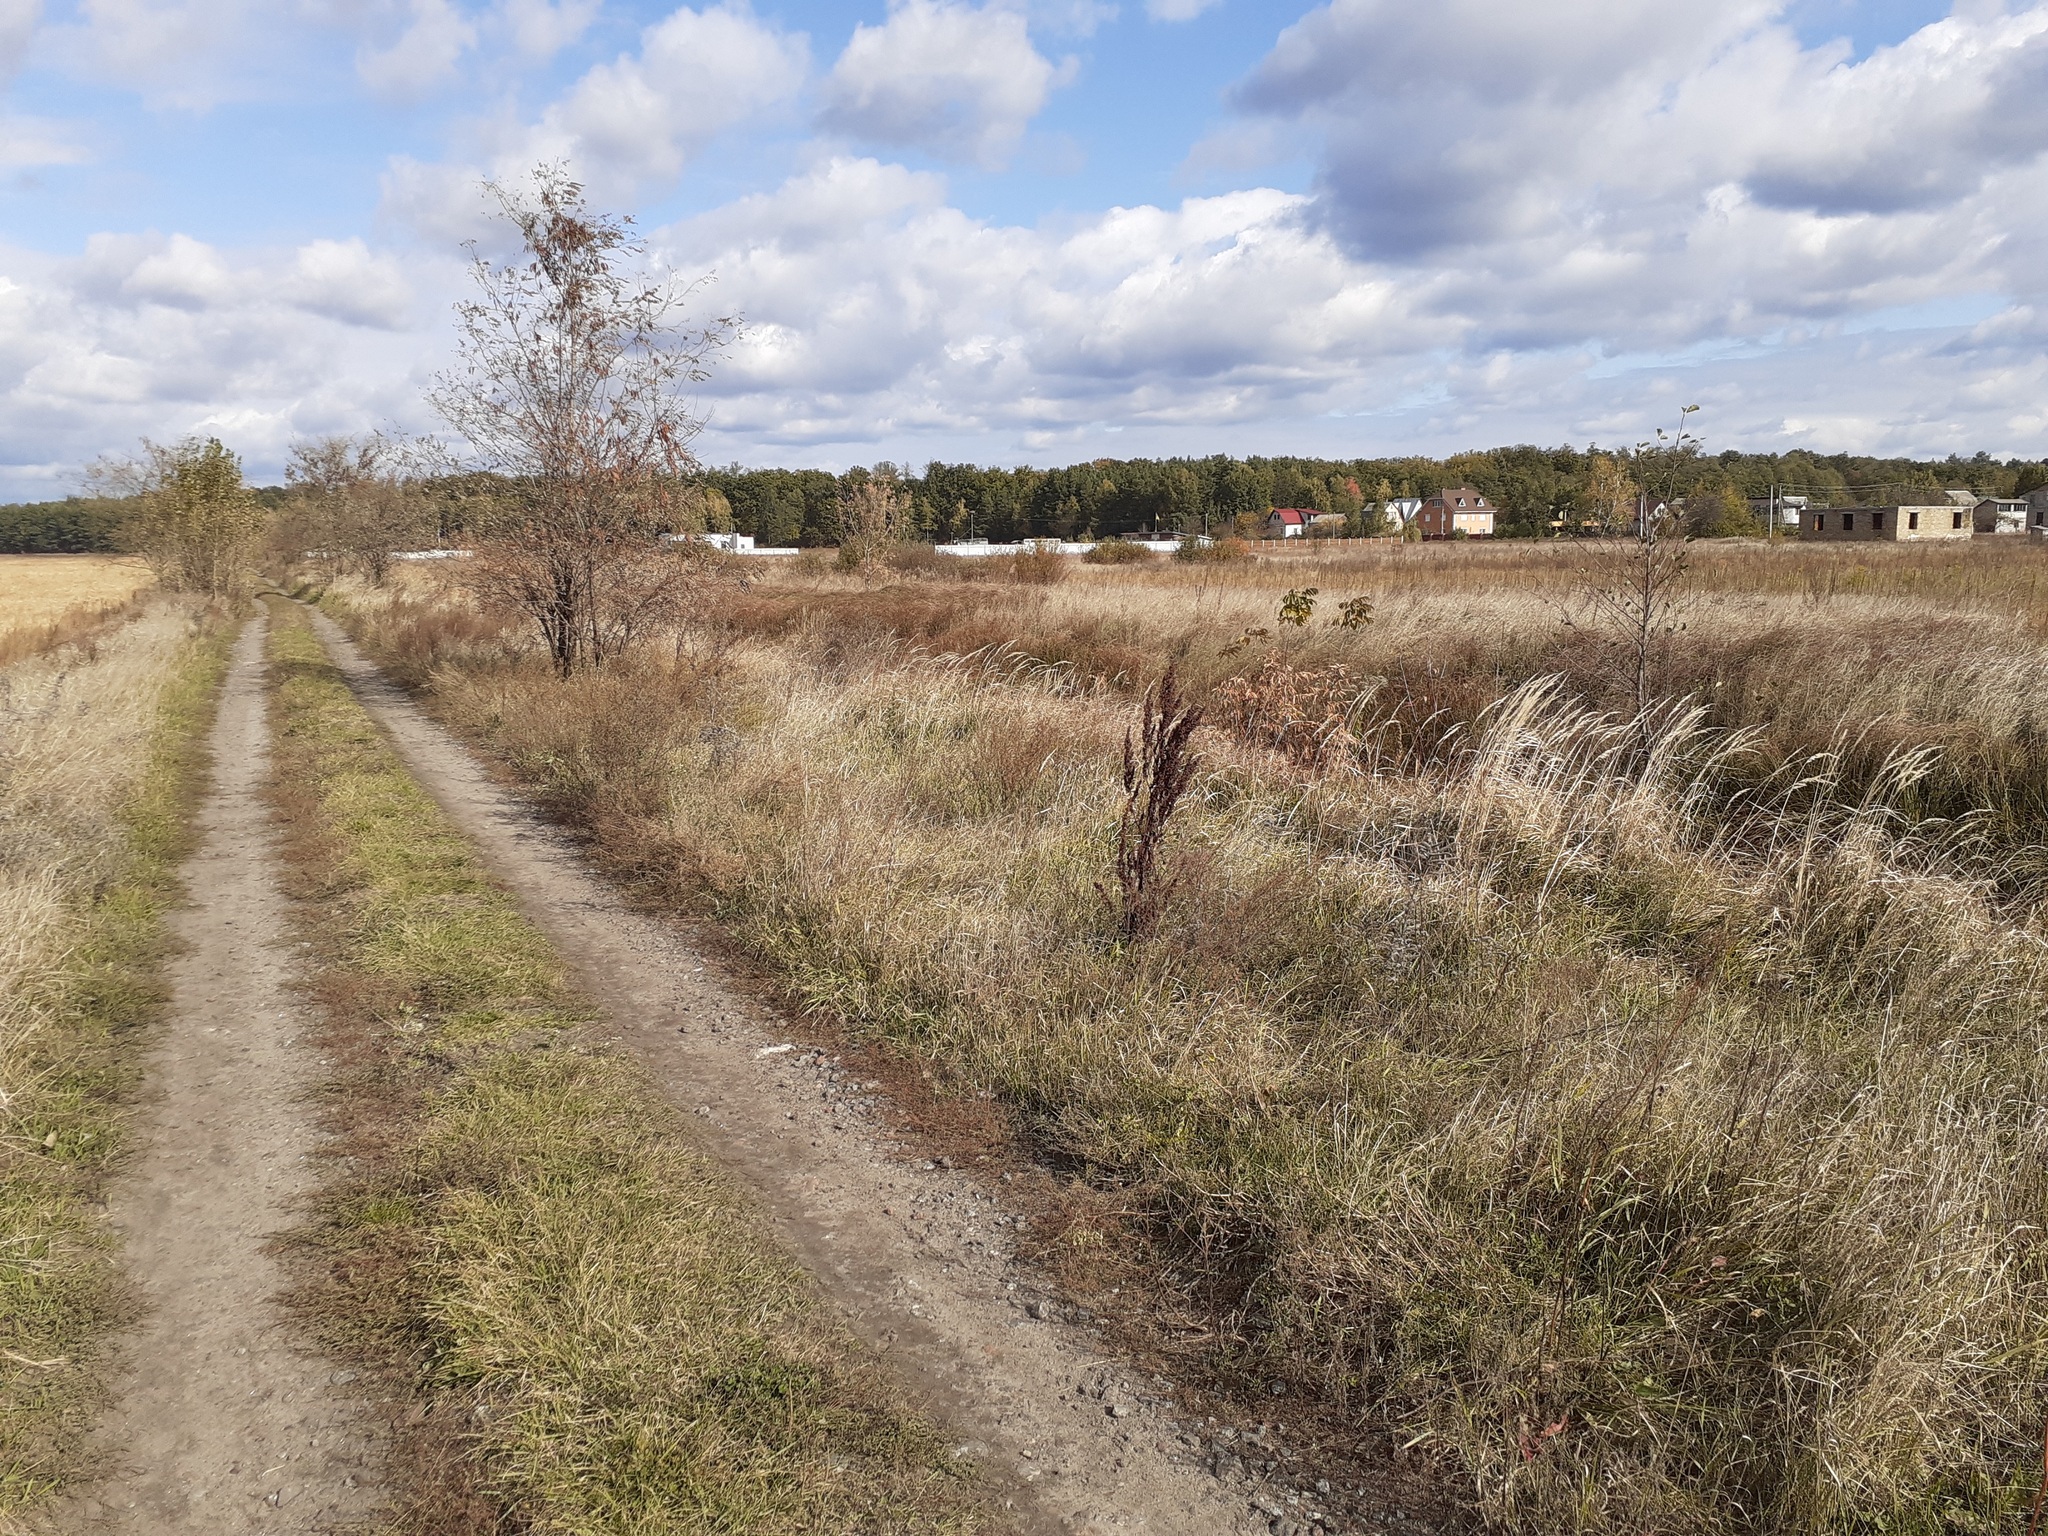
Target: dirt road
{"x": 222, "y": 1422}
{"x": 916, "y": 1255}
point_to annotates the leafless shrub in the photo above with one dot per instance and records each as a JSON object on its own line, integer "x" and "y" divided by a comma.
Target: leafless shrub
{"x": 567, "y": 387}
{"x": 1631, "y": 585}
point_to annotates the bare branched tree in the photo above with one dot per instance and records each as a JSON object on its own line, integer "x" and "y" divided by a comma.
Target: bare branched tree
{"x": 571, "y": 363}
{"x": 1631, "y": 584}
{"x": 1159, "y": 769}
{"x": 193, "y": 520}
{"x": 358, "y": 501}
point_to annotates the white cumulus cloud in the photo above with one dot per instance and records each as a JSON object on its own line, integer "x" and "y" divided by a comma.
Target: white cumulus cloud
{"x": 540, "y": 29}
{"x": 1620, "y": 173}
{"x": 427, "y": 52}
{"x": 18, "y": 20}
{"x": 873, "y": 306}
{"x": 164, "y": 335}
{"x": 643, "y": 116}
{"x": 181, "y": 53}
{"x": 958, "y": 81}
{"x": 343, "y": 280}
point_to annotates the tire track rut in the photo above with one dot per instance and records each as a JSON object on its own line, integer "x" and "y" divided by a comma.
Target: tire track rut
{"x": 224, "y": 1421}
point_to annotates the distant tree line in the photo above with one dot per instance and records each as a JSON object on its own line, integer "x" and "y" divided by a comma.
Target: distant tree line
{"x": 80, "y": 525}
{"x": 1536, "y": 489}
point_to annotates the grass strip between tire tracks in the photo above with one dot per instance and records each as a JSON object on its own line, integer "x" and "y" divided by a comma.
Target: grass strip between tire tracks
{"x": 598, "y": 1337}
{"x": 65, "y": 1121}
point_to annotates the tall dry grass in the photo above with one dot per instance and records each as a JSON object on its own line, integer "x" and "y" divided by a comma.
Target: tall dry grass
{"x": 75, "y": 734}
{"x": 98, "y": 748}
{"x": 1644, "y": 1113}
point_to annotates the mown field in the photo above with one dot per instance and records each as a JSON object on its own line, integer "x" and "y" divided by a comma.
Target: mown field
{"x": 1640, "y": 1114}
{"x": 45, "y": 599}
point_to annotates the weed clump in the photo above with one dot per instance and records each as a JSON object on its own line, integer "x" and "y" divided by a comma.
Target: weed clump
{"x": 1159, "y": 769}
{"x": 1035, "y": 567}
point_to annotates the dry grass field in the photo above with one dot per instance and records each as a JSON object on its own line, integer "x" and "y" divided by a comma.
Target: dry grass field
{"x": 1638, "y": 1113}
{"x": 45, "y": 599}
{"x": 98, "y": 757}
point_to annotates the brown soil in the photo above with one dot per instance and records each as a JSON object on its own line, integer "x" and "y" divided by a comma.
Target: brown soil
{"x": 224, "y": 1422}
{"x": 921, "y": 1257}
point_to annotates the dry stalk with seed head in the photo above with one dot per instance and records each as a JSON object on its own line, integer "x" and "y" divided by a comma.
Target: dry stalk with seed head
{"x": 1158, "y": 770}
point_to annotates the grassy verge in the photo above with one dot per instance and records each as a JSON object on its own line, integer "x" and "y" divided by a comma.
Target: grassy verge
{"x": 599, "y": 1339}
{"x": 93, "y": 822}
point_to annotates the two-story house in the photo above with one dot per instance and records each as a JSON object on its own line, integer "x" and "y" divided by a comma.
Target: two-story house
{"x": 1460, "y": 510}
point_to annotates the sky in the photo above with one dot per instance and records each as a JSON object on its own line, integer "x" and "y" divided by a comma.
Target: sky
{"x": 1042, "y": 231}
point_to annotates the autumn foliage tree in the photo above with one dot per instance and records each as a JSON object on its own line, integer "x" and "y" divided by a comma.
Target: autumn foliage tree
{"x": 571, "y": 362}
{"x": 193, "y": 520}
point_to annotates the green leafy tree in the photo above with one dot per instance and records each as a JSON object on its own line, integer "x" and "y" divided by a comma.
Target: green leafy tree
{"x": 1187, "y": 509}
{"x": 1247, "y": 490}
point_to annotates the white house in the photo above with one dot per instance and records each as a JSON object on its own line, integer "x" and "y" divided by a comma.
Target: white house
{"x": 2000, "y": 514}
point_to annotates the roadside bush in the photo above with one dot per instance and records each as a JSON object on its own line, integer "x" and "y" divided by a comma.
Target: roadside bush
{"x": 1219, "y": 552}
{"x": 1037, "y": 567}
{"x": 1117, "y": 552}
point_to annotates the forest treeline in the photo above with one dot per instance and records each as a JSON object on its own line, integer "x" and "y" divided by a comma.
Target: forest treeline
{"x": 1535, "y": 489}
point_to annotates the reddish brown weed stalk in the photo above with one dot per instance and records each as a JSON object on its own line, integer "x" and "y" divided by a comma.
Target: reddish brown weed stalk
{"x": 1158, "y": 770}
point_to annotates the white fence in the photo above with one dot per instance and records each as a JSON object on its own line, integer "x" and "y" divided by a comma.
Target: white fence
{"x": 970, "y": 549}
